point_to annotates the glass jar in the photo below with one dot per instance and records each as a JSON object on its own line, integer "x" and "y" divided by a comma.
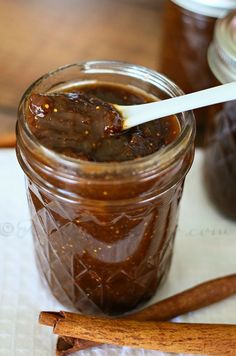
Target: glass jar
{"x": 220, "y": 155}
{"x": 104, "y": 232}
{"x": 188, "y": 31}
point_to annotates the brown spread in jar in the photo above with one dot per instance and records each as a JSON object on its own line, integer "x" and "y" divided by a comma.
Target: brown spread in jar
{"x": 82, "y": 124}
{"x": 106, "y": 247}
{"x": 104, "y": 205}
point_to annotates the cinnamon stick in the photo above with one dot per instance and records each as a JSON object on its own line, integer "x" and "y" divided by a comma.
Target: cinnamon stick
{"x": 192, "y": 299}
{"x": 209, "y": 339}
{"x": 68, "y": 345}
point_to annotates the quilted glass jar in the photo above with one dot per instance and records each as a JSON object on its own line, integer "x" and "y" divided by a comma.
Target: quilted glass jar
{"x": 104, "y": 232}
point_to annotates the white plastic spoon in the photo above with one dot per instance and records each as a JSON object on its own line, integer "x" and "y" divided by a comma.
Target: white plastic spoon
{"x": 134, "y": 115}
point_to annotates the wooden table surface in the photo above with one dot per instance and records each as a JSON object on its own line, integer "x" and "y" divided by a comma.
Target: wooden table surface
{"x": 38, "y": 36}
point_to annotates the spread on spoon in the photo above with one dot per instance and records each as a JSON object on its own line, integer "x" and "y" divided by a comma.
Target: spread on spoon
{"x": 82, "y": 124}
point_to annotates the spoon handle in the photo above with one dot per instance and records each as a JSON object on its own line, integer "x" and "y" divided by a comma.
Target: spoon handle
{"x": 139, "y": 114}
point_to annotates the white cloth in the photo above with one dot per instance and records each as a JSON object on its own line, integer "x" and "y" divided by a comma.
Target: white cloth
{"x": 205, "y": 248}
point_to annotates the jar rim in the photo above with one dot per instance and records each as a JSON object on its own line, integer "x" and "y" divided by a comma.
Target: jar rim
{"x": 210, "y": 8}
{"x": 222, "y": 50}
{"x": 161, "y": 159}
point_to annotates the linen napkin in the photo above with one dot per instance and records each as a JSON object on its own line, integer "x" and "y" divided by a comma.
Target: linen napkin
{"x": 205, "y": 248}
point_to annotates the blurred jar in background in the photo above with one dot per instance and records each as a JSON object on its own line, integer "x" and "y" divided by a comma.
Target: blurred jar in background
{"x": 220, "y": 157}
{"x": 188, "y": 31}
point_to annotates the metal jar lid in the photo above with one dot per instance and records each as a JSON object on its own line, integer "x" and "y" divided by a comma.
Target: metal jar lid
{"x": 211, "y": 8}
{"x": 222, "y": 51}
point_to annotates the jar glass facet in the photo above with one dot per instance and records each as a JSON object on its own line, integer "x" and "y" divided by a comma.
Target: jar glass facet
{"x": 104, "y": 253}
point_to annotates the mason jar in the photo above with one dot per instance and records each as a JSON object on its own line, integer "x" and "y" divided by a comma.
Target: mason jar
{"x": 187, "y": 33}
{"x": 104, "y": 232}
{"x": 220, "y": 154}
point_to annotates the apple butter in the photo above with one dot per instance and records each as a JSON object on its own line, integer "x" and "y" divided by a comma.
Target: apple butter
{"x": 104, "y": 206}
{"x": 76, "y": 125}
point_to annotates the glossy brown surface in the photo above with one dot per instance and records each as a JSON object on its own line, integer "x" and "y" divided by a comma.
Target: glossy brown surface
{"x": 187, "y": 36}
{"x": 72, "y": 118}
{"x": 107, "y": 249}
{"x": 82, "y": 124}
{"x": 220, "y": 160}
